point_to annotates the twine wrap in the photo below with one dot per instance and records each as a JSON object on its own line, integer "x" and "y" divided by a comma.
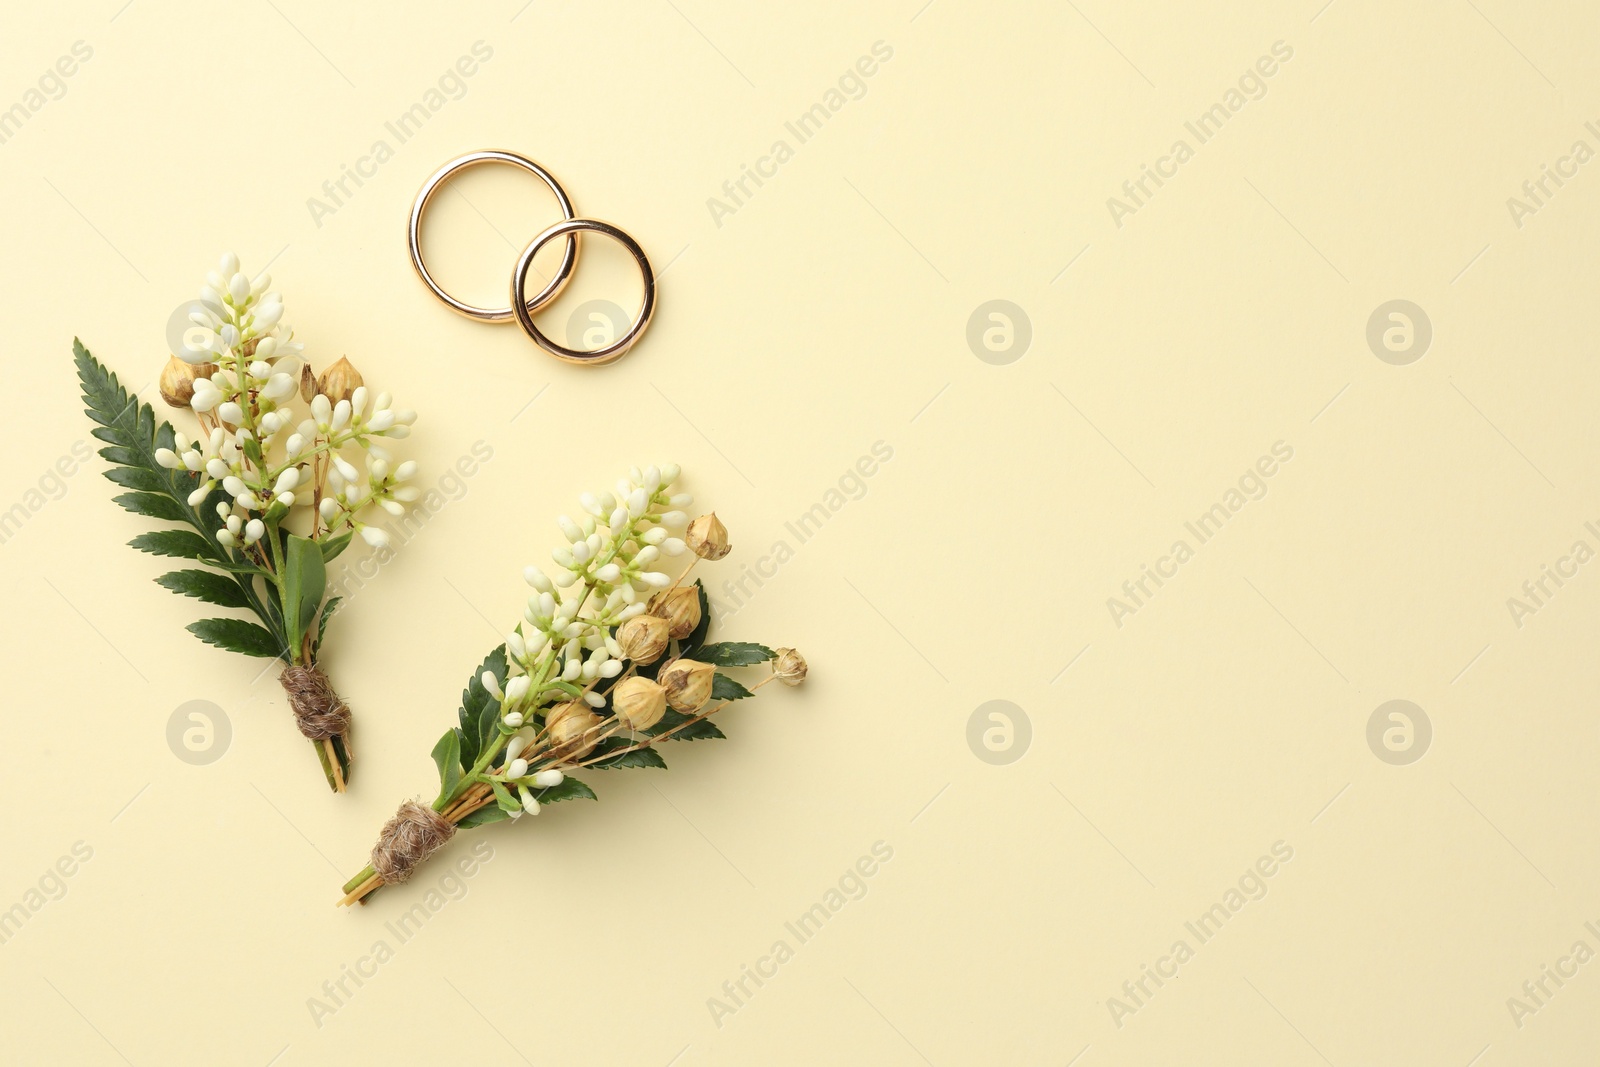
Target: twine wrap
{"x": 320, "y": 712}
{"x": 415, "y": 833}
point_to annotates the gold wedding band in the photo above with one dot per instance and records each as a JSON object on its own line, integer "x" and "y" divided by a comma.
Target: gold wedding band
{"x": 524, "y": 311}
{"x": 568, "y": 260}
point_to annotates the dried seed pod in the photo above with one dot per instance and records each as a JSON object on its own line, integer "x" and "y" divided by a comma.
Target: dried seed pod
{"x": 569, "y": 727}
{"x": 643, "y": 638}
{"x": 340, "y": 381}
{"x": 680, "y": 607}
{"x": 177, "y": 380}
{"x": 790, "y": 666}
{"x": 707, "y": 537}
{"x": 688, "y": 683}
{"x": 638, "y": 702}
{"x": 308, "y": 383}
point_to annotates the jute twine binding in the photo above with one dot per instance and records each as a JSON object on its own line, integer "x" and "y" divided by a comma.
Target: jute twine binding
{"x": 415, "y": 833}
{"x": 319, "y": 711}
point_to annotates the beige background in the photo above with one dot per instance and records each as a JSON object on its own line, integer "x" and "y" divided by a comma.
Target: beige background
{"x": 827, "y": 313}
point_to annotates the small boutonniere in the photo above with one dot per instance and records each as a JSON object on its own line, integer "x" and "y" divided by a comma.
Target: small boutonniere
{"x": 611, "y": 657}
{"x": 268, "y": 484}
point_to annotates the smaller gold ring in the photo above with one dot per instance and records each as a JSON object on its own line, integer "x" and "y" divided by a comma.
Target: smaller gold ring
{"x": 432, "y": 186}
{"x": 524, "y": 312}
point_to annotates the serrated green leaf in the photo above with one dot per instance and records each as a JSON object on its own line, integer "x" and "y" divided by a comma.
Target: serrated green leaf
{"x": 123, "y": 454}
{"x": 181, "y": 544}
{"x": 209, "y": 586}
{"x": 112, "y": 435}
{"x": 669, "y": 719}
{"x": 480, "y": 711}
{"x": 725, "y": 688}
{"x": 704, "y": 730}
{"x": 237, "y": 635}
{"x": 483, "y": 817}
{"x": 734, "y": 653}
{"x": 569, "y": 789}
{"x": 152, "y": 505}
{"x": 137, "y": 478}
{"x": 639, "y": 757}
{"x": 447, "y": 757}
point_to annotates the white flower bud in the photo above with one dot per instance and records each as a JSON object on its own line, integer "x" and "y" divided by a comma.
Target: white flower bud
{"x": 514, "y": 719}
{"x": 517, "y": 768}
{"x": 529, "y": 805}
{"x": 536, "y": 578}
{"x": 549, "y": 779}
{"x": 375, "y": 537}
{"x": 279, "y": 387}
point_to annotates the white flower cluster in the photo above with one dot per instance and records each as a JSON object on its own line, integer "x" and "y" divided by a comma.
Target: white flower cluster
{"x": 559, "y": 652}
{"x": 245, "y": 407}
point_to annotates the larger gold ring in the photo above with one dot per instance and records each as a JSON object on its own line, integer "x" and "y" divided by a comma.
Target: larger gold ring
{"x": 432, "y": 186}
{"x": 524, "y": 312}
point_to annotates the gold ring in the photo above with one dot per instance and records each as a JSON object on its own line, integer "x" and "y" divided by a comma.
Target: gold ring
{"x": 524, "y": 313}
{"x": 432, "y": 186}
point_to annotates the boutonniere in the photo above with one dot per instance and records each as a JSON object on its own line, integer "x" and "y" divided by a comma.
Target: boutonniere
{"x": 267, "y": 483}
{"x": 611, "y": 658}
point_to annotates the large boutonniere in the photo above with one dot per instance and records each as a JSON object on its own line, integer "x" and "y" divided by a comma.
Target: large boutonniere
{"x": 267, "y": 483}
{"x": 611, "y": 658}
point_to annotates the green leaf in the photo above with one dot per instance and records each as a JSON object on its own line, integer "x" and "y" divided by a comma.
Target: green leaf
{"x": 237, "y": 635}
{"x": 734, "y": 653}
{"x": 152, "y": 505}
{"x": 483, "y": 817}
{"x": 639, "y": 757}
{"x": 205, "y": 585}
{"x": 480, "y": 710}
{"x": 137, "y": 478}
{"x": 304, "y": 582}
{"x": 503, "y": 795}
{"x": 704, "y": 730}
{"x": 725, "y": 688}
{"x": 327, "y": 613}
{"x": 569, "y": 789}
{"x": 335, "y": 545}
{"x": 183, "y": 544}
{"x": 447, "y": 757}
